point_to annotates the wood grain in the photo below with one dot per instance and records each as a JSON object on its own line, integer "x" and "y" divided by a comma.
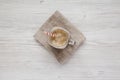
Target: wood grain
{"x": 21, "y": 58}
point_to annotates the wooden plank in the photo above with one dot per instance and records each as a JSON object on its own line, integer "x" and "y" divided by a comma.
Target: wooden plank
{"x": 21, "y": 58}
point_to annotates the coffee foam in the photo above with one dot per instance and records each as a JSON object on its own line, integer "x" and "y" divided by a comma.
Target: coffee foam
{"x": 60, "y": 38}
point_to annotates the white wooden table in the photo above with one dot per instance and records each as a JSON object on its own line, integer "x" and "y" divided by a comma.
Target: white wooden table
{"x": 22, "y": 58}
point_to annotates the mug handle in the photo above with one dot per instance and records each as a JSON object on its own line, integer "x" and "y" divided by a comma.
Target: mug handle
{"x": 71, "y": 42}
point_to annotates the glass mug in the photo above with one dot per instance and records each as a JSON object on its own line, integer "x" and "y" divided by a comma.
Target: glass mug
{"x": 60, "y": 39}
